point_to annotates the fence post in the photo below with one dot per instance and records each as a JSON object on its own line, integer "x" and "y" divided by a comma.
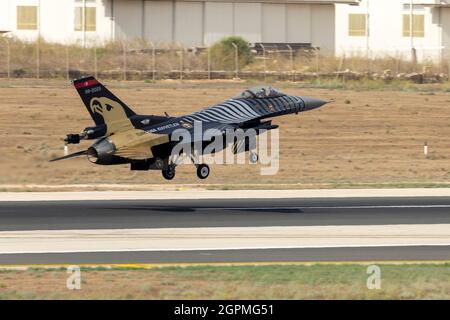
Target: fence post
{"x": 67, "y": 62}
{"x": 8, "y": 57}
{"x": 317, "y": 60}
{"x": 153, "y": 62}
{"x": 448, "y": 70}
{"x": 95, "y": 62}
{"x": 236, "y": 60}
{"x": 38, "y": 58}
{"x": 181, "y": 65}
{"x": 341, "y": 62}
{"x": 264, "y": 60}
{"x": 414, "y": 58}
{"x": 291, "y": 58}
{"x": 124, "y": 61}
{"x": 209, "y": 62}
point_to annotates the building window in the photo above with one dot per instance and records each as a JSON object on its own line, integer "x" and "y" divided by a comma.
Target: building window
{"x": 88, "y": 18}
{"x": 356, "y": 24}
{"x": 27, "y": 17}
{"x": 418, "y": 22}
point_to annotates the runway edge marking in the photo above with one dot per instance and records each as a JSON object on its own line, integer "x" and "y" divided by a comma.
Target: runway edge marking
{"x": 138, "y": 266}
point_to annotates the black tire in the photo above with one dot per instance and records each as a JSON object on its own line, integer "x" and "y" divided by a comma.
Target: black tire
{"x": 203, "y": 171}
{"x": 168, "y": 174}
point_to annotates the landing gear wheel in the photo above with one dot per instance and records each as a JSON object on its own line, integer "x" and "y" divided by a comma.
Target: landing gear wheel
{"x": 168, "y": 173}
{"x": 203, "y": 171}
{"x": 253, "y": 157}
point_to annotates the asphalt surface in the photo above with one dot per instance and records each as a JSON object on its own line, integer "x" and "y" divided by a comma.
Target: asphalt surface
{"x": 64, "y": 215}
{"x": 261, "y": 255}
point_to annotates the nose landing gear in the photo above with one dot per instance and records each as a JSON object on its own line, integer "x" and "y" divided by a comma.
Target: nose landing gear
{"x": 202, "y": 171}
{"x": 253, "y": 157}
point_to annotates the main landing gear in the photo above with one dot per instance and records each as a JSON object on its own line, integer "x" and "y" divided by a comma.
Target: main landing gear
{"x": 168, "y": 170}
{"x": 169, "y": 165}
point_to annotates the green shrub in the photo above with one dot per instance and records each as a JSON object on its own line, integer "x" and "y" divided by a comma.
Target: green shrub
{"x": 223, "y": 53}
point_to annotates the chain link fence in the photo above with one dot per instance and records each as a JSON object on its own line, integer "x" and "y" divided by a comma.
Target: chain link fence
{"x": 140, "y": 60}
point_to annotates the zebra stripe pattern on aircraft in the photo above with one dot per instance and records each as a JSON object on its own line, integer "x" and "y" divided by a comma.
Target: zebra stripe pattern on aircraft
{"x": 230, "y": 111}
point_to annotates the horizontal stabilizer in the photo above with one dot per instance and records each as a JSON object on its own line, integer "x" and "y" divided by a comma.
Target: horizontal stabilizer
{"x": 73, "y": 155}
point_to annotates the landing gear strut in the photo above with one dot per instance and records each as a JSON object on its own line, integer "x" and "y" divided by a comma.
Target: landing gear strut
{"x": 168, "y": 169}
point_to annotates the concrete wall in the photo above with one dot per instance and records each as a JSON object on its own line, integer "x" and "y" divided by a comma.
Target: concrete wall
{"x": 198, "y": 23}
{"x": 56, "y": 20}
{"x": 445, "y": 20}
{"x": 219, "y": 20}
{"x": 323, "y": 27}
{"x": 386, "y": 31}
{"x": 190, "y": 23}
{"x": 274, "y": 22}
{"x": 5, "y": 19}
{"x": 299, "y": 18}
{"x": 158, "y": 21}
{"x": 128, "y": 19}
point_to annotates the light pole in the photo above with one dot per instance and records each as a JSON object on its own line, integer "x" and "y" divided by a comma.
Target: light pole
{"x": 236, "y": 60}
{"x": 8, "y": 57}
{"x": 38, "y": 42}
{"x": 411, "y": 34}
{"x": 368, "y": 29}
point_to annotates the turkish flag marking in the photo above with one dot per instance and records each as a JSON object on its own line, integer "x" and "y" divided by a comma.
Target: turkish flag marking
{"x": 85, "y": 84}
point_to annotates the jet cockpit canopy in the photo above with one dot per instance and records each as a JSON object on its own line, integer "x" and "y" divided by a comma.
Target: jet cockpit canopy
{"x": 260, "y": 92}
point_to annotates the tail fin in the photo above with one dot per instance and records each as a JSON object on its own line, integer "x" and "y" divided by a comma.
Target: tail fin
{"x": 103, "y": 106}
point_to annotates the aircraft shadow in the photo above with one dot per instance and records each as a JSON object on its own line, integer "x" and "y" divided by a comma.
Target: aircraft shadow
{"x": 206, "y": 209}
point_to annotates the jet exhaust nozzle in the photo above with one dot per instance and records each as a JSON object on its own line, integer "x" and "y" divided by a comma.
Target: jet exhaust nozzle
{"x": 102, "y": 152}
{"x": 92, "y": 155}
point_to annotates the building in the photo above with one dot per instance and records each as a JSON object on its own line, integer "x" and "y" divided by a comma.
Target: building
{"x": 379, "y": 28}
{"x": 367, "y": 27}
{"x": 186, "y": 22}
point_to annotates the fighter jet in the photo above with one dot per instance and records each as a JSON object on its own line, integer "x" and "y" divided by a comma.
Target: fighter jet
{"x": 145, "y": 141}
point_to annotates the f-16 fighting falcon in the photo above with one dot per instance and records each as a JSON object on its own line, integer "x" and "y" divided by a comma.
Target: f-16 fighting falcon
{"x": 145, "y": 141}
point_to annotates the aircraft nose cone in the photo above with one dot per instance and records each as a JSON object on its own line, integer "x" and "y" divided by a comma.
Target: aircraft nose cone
{"x": 312, "y": 103}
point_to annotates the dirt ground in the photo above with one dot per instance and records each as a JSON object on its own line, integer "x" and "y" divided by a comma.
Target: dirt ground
{"x": 402, "y": 281}
{"x": 364, "y": 138}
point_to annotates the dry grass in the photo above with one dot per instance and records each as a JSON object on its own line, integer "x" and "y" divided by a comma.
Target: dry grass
{"x": 365, "y": 138}
{"x": 233, "y": 282}
{"x": 111, "y": 59}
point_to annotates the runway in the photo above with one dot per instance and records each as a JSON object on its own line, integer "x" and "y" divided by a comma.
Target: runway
{"x": 224, "y": 230}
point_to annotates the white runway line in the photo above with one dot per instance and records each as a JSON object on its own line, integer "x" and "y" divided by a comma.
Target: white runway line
{"x": 420, "y": 206}
{"x": 223, "y": 238}
{"x": 223, "y": 194}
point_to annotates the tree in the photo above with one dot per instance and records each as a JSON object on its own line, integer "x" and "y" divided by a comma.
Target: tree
{"x": 223, "y": 53}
